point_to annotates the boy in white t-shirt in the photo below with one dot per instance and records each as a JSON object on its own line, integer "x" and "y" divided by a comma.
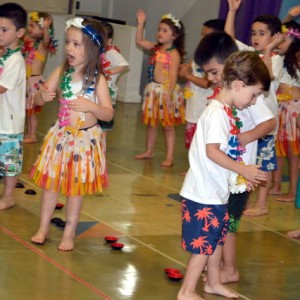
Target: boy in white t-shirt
{"x": 13, "y": 22}
{"x": 213, "y": 154}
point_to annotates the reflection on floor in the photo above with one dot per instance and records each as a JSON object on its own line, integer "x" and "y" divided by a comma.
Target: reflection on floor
{"x": 142, "y": 208}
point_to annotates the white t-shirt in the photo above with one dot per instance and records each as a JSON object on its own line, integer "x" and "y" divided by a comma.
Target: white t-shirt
{"x": 12, "y": 102}
{"x": 116, "y": 60}
{"x": 270, "y": 96}
{"x": 206, "y": 182}
{"x": 196, "y": 104}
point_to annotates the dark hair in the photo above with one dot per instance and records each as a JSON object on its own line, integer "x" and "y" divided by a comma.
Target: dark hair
{"x": 273, "y": 23}
{"x": 179, "y": 33}
{"x": 290, "y": 58}
{"x": 93, "y": 68}
{"x": 109, "y": 30}
{"x": 14, "y": 12}
{"x": 248, "y": 67}
{"x": 215, "y": 24}
{"x": 218, "y": 45}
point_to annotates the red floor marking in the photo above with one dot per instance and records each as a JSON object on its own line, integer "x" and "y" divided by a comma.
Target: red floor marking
{"x": 46, "y": 257}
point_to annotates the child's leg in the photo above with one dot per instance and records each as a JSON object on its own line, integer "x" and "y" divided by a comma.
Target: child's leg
{"x": 170, "y": 143}
{"x": 212, "y": 284}
{"x": 150, "y": 143}
{"x": 229, "y": 272}
{"x": 32, "y": 129}
{"x": 293, "y": 161}
{"x": 276, "y": 188}
{"x": 49, "y": 200}
{"x": 7, "y": 200}
{"x": 194, "y": 270}
{"x": 72, "y": 216}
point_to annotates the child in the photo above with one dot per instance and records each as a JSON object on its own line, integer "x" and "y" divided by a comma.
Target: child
{"x": 72, "y": 158}
{"x": 197, "y": 88}
{"x": 253, "y": 122}
{"x": 39, "y": 42}
{"x": 13, "y": 22}
{"x": 163, "y": 98}
{"x": 265, "y": 37}
{"x": 288, "y": 95}
{"x": 116, "y": 65}
{"x": 212, "y": 156}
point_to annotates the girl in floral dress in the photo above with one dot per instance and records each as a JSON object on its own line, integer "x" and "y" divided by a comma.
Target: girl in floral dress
{"x": 72, "y": 157}
{"x": 163, "y": 98}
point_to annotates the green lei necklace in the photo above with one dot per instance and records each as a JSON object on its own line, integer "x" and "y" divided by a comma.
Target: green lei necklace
{"x": 65, "y": 83}
{"x": 8, "y": 53}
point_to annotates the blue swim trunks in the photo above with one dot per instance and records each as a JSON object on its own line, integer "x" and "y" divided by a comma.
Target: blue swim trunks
{"x": 204, "y": 227}
{"x": 266, "y": 153}
{"x": 11, "y": 154}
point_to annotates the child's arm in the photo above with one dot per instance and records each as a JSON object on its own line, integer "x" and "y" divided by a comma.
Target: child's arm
{"x": 233, "y": 6}
{"x": 139, "y": 36}
{"x": 46, "y": 35}
{"x": 185, "y": 71}
{"x": 174, "y": 68}
{"x": 102, "y": 110}
{"x": 257, "y": 132}
{"x": 48, "y": 89}
{"x": 293, "y": 13}
{"x": 118, "y": 70}
{"x": 250, "y": 172}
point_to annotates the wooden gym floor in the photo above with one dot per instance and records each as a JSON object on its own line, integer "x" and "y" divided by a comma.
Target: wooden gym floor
{"x": 141, "y": 207}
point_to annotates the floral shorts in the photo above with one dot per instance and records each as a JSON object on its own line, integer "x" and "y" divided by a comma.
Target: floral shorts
{"x": 11, "y": 154}
{"x": 204, "y": 227}
{"x": 266, "y": 153}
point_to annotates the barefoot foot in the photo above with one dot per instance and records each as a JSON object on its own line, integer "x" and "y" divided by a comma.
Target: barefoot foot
{"x": 286, "y": 198}
{"x": 167, "y": 163}
{"x": 7, "y": 203}
{"x": 220, "y": 289}
{"x": 274, "y": 192}
{"x": 146, "y": 155}
{"x": 226, "y": 277}
{"x": 256, "y": 211}
{"x": 293, "y": 234}
{"x": 40, "y": 237}
{"x": 189, "y": 296}
{"x": 67, "y": 244}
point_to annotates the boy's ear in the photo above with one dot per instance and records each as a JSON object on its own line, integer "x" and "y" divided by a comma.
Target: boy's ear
{"x": 21, "y": 32}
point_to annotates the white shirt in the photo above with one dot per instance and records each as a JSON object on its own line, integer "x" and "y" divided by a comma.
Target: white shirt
{"x": 12, "y": 102}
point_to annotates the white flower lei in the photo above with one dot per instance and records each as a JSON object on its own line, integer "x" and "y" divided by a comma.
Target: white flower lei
{"x": 173, "y": 19}
{"x": 41, "y": 22}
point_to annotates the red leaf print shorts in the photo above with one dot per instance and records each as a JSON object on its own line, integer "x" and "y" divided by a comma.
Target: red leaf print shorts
{"x": 203, "y": 227}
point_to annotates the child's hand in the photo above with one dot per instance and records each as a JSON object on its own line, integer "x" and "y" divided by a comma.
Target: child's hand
{"x": 140, "y": 16}
{"x": 277, "y": 39}
{"x": 294, "y": 11}
{"x": 47, "y": 22}
{"x": 254, "y": 174}
{"x": 81, "y": 104}
{"x": 234, "y": 4}
{"x": 185, "y": 70}
{"x": 47, "y": 95}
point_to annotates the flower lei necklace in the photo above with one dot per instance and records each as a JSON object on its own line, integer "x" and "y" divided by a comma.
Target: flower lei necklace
{"x": 65, "y": 86}
{"x": 8, "y": 53}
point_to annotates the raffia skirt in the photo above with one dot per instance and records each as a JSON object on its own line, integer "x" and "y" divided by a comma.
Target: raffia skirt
{"x": 72, "y": 161}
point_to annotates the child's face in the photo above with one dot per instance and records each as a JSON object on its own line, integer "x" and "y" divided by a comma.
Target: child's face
{"x": 260, "y": 36}
{"x": 74, "y": 47}
{"x": 165, "y": 34}
{"x": 287, "y": 40}
{"x": 205, "y": 31}
{"x": 214, "y": 72}
{"x": 9, "y": 35}
{"x": 245, "y": 95}
{"x": 34, "y": 30}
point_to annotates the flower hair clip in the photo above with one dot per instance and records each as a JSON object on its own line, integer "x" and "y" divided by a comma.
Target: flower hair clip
{"x": 34, "y": 16}
{"x": 174, "y": 20}
{"x": 291, "y": 31}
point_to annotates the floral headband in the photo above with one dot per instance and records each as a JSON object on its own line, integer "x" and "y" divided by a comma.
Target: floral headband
{"x": 34, "y": 16}
{"x": 174, "y": 20}
{"x": 88, "y": 30}
{"x": 291, "y": 32}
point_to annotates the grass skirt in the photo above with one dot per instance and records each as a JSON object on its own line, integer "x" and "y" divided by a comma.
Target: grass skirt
{"x": 72, "y": 161}
{"x": 156, "y": 109}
